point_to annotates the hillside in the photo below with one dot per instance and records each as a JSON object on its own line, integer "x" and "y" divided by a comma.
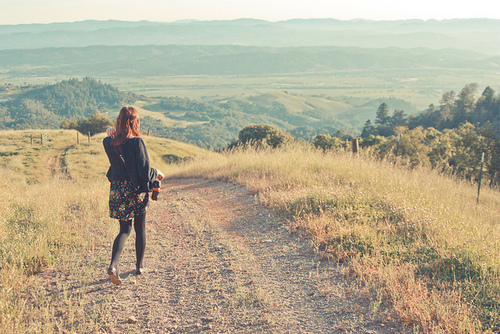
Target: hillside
{"x": 414, "y": 238}
{"x": 208, "y": 124}
{"x": 45, "y": 107}
{"x": 216, "y": 124}
{"x": 299, "y": 104}
{"x": 36, "y": 163}
{"x": 207, "y": 257}
{"x": 384, "y": 244}
{"x": 467, "y": 34}
{"x": 169, "y": 60}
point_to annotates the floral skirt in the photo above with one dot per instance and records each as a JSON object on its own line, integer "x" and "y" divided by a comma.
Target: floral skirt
{"x": 124, "y": 202}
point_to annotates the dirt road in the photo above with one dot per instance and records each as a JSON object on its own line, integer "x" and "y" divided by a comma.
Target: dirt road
{"x": 218, "y": 262}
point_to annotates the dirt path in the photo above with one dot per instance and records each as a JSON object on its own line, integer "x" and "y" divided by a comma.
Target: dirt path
{"x": 218, "y": 262}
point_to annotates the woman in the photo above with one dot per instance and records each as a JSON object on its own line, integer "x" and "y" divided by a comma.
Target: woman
{"x": 131, "y": 179}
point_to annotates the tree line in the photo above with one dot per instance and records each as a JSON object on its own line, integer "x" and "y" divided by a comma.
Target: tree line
{"x": 451, "y": 137}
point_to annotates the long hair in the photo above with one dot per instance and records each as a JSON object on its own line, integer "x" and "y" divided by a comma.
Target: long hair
{"x": 127, "y": 125}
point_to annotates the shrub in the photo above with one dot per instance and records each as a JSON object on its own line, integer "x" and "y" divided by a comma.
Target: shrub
{"x": 96, "y": 123}
{"x": 262, "y": 135}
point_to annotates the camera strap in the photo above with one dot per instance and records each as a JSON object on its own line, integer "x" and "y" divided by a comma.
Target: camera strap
{"x": 120, "y": 155}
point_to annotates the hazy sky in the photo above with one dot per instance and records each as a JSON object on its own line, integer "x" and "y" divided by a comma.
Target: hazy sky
{"x": 45, "y": 11}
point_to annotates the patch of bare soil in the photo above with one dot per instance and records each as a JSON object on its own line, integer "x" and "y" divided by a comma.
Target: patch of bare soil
{"x": 219, "y": 262}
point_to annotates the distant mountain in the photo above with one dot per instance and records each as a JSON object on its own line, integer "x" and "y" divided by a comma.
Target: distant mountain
{"x": 479, "y": 35}
{"x": 152, "y": 60}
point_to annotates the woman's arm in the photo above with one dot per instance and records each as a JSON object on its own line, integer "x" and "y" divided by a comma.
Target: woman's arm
{"x": 145, "y": 171}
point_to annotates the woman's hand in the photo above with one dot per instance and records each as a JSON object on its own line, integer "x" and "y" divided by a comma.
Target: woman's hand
{"x": 110, "y": 132}
{"x": 160, "y": 175}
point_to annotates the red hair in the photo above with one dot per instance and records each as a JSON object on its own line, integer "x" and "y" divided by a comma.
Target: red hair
{"x": 127, "y": 125}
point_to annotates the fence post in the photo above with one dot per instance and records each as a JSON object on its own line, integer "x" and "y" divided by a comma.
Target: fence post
{"x": 77, "y": 137}
{"x": 397, "y": 146}
{"x": 89, "y": 136}
{"x": 480, "y": 178}
{"x": 355, "y": 146}
{"x": 31, "y": 139}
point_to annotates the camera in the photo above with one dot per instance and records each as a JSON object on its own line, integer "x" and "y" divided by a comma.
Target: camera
{"x": 156, "y": 190}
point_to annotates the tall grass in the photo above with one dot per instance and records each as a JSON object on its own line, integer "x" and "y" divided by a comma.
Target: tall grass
{"x": 415, "y": 235}
{"x": 53, "y": 207}
{"x": 45, "y": 211}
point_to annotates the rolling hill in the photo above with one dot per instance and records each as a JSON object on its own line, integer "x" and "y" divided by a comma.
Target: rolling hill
{"x": 155, "y": 60}
{"x": 212, "y": 124}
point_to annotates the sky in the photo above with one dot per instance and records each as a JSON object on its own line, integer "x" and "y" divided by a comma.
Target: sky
{"x": 47, "y": 11}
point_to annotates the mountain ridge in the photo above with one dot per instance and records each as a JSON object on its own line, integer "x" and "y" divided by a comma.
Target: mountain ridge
{"x": 469, "y": 34}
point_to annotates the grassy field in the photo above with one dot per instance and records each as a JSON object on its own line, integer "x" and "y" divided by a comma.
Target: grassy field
{"x": 53, "y": 210}
{"x": 418, "y": 239}
{"x": 417, "y": 87}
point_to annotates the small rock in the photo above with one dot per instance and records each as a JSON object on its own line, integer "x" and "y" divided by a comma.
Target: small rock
{"x": 132, "y": 320}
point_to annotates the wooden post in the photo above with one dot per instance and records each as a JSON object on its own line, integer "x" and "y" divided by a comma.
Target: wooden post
{"x": 31, "y": 139}
{"x": 148, "y": 133}
{"x": 397, "y": 146}
{"x": 355, "y": 146}
{"x": 89, "y": 136}
{"x": 77, "y": 137}
{"x": 41, "y": 139}
{"x": 480, "y": 178}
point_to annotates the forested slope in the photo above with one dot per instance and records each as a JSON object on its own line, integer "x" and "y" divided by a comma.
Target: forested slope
{"x": 47, "y": 106}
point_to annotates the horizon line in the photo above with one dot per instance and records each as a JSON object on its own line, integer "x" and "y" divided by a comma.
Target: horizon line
{"x": 255, "y": 19}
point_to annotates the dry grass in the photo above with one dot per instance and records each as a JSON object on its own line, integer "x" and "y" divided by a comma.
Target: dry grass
{"x": 53, "y": 209}
{"x": 414, "y": 235}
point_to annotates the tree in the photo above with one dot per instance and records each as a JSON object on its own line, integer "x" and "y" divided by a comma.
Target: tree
{"x": 398, "y": 118}
{"x": 485, "y": 106}
{"x": 96, "y": 123}
{"x": 447, "y": 105}
{"x": 262, "y": 134}
{"x": 467, "y": 147}
{"x": 368, "y": 129}
{"x": 465, "y": 103}
{"x": 327, "y": 142}
{"x": 411, "y": 148}
{"x": 70, "y": 124}
{"x": 383, "y": 117}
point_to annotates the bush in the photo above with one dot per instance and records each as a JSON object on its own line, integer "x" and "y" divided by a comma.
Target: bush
{"x": 327, "y": 142}
{"x": 262, "y": 135}
{"x": 96, "y": 123}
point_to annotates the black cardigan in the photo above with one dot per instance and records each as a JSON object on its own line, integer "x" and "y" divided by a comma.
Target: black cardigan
{"x": 136, "y": 168}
